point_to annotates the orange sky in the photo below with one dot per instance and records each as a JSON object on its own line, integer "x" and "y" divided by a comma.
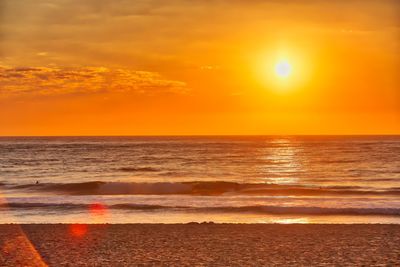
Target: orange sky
{"x": 180, "y": 67}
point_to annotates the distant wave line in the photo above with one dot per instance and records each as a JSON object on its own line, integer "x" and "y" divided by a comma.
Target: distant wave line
{"x": 225, "y": 209}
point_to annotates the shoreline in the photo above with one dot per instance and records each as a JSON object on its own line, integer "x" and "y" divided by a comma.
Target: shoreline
{"x": 199, "y": 244}
{"x": 198, "y": 223}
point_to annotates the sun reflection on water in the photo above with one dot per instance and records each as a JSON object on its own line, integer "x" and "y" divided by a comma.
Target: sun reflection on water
{"x": 282, "y": 163}
{"x": 291, "y": 220}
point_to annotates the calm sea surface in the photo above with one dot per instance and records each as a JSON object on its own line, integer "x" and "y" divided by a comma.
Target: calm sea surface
{"x": 278, "y": 179}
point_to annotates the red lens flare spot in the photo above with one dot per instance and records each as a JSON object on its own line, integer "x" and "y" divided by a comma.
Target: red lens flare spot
{"x": 97, "y": 209}
{"x": 78, "y": 230}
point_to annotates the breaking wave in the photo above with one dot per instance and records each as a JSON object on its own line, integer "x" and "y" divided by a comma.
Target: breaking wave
{"x": 201, "y": 188}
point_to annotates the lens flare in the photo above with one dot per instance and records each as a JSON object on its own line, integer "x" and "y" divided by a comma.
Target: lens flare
{"x": 78, "y": 230}
{"x": 97, "y": 209}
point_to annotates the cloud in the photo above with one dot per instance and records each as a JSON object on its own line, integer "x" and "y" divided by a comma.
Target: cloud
{"x": 84, "y": 80}
{"x": 41, "y": 54}
{"x": 137, "y": 34}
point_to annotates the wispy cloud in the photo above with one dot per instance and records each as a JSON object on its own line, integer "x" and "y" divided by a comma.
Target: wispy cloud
{"x": 84, "y": 80}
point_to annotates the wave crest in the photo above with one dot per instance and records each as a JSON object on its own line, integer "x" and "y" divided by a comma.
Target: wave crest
{"x": 201, "y": 188}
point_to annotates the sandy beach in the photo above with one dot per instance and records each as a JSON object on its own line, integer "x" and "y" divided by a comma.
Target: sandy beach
{"x": 199, "y": 245}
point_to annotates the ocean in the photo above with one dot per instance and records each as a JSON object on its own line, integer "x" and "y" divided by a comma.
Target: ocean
{"x": 233, "y": 179}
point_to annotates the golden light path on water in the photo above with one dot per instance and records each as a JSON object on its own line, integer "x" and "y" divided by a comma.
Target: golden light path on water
{"x": 282, "y": 157}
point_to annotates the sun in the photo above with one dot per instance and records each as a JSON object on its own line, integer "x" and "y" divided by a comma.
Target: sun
{"x": 283, "y": 69}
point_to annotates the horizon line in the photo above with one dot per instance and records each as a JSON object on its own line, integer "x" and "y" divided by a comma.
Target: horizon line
{"x": 200, "y": 135}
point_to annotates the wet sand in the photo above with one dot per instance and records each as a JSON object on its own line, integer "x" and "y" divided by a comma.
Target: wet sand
{"x": 199, "y": 245}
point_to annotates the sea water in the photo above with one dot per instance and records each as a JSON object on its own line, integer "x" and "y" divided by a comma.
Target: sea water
{"x": 240, "y": 179}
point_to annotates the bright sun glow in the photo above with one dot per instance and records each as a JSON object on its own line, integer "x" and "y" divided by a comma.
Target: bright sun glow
{"x": 283, "y": 69}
